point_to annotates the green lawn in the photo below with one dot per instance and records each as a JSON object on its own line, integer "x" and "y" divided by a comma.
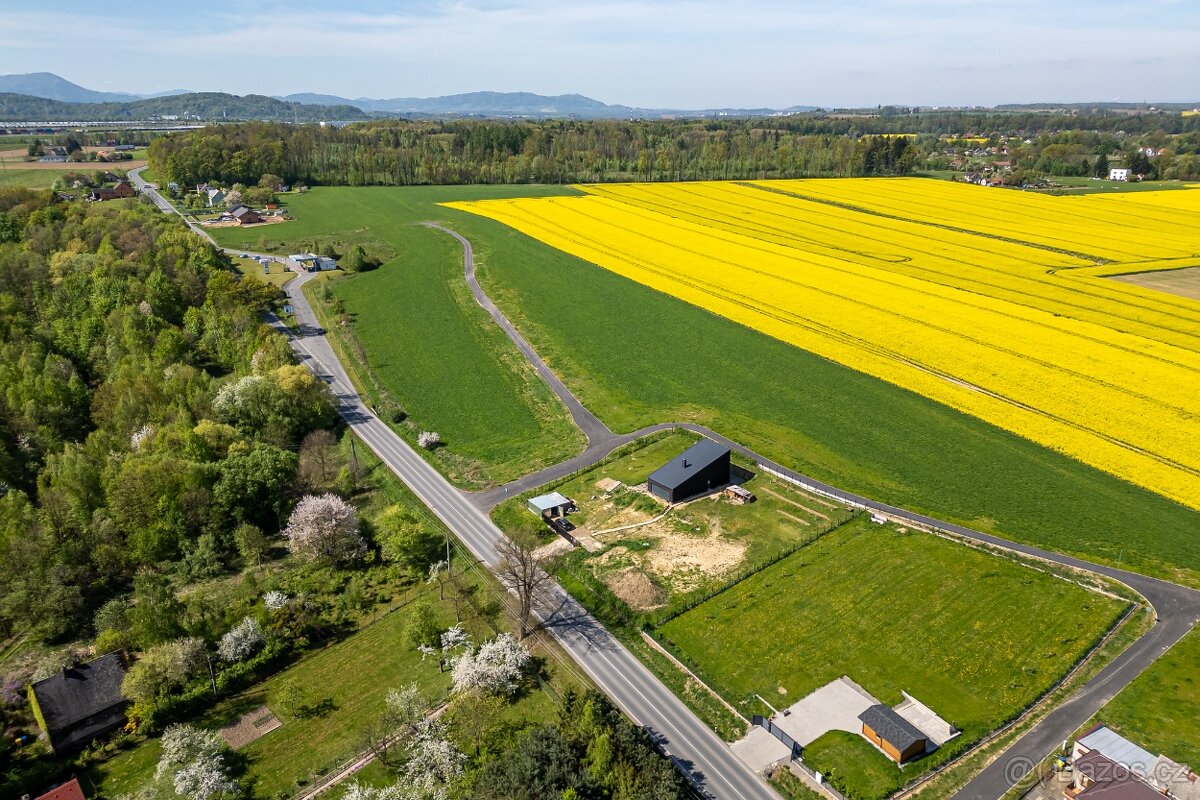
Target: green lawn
{"x": 975, "y": 636}
{"x": 353, "y": 675}
{"x": 426, "y": 341}
{"x": 276, "y": 273}
{"x": 855, "y": 767}
{"x": 1160, "y": 710}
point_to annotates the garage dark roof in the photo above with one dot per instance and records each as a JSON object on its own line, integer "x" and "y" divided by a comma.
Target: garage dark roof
{"x": 688, "y": 463}
{"x": 81, "y": 691}
{"x": 892, "y": 727}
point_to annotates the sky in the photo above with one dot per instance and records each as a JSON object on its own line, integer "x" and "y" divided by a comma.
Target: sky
{"x": 689, "y": 54}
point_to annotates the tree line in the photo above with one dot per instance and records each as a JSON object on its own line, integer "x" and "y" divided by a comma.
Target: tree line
{"x": 401, "y": 153}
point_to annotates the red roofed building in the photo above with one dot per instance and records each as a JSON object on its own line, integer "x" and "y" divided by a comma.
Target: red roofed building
{"x": 67, "y": 791}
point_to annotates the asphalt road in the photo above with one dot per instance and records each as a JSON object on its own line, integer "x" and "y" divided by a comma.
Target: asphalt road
{"x": 697, "y": 750}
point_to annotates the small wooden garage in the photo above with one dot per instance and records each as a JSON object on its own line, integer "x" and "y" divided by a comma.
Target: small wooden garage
{"x": 892, "y": 733}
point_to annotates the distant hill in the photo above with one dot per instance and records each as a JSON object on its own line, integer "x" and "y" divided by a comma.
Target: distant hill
{"x": 522, "y": 104}
{"x": 206, "y": 106}
{"x": 52, "y": 87}
{"x": 48, "y": 86}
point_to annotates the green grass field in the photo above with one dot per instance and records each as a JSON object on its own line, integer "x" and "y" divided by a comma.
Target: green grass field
{"x": 427, "y": 342}
{"x": 975, "y": 636}
{"x": 1160, "y": 710}
{"x": 29, "y": 178}
{"x": 821, "y": 418}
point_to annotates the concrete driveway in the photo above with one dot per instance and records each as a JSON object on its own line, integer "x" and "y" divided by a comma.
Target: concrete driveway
{"x": 833, "y": 707}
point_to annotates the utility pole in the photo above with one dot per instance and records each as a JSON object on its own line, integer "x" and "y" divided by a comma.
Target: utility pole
{"x": 354, "y": 455}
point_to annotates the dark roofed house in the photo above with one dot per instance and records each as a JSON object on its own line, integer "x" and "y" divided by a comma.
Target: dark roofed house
{"x": 702, "y": 467}
{"x": 892, "y": 733}
{"x": 71, "y": 790}
{"x": 123, "y": 189}
{"x": 1098, "y": 777}
{"x": 81, "y": 702}
{"x": 246, "y": 216}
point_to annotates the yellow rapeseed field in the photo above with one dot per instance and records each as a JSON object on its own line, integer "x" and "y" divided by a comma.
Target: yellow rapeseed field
{"x": 994, "y": 302}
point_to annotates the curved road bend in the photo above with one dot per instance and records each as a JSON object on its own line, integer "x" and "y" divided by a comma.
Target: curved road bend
{"x": 1177, "y": 607}
{"x": 698, "y": 751}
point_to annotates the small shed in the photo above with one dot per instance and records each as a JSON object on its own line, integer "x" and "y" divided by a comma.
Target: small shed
{"x": 325, "y": 263}
{"x": 550, "y": 506}
{"x": 892, "y": 733}
{"x": 701, "y": 468}
{"x": 81, "y": 702}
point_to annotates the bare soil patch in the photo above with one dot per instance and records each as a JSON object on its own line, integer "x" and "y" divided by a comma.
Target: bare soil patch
{"x": 1180, "y": 282}
{"x": 635, "y": 588}
{"x": 236, "y": 224}
{"x": 249, "y": 726}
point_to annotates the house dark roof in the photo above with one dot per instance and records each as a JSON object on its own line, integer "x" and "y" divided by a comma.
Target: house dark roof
{"x": 70, "y": 790}
{"x": 688, "y": 463}
{"x": 1110, "y": 780}
{"x": 82, "y": 691}
{"x": 891, "y": 727}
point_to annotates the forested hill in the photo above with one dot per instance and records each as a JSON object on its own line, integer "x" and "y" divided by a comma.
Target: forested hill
{"x": 207, "y": 106}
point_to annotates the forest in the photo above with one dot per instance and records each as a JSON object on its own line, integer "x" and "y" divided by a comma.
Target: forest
{"x": 401, "y": 153}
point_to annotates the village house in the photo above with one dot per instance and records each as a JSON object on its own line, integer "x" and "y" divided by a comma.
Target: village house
{"x": 245, "y": 216}
{"x": 214, "y": 197}
{"x": 80, "y": 703}
{"x": 1118, "y": 174}
{"x": 123, "y": 189}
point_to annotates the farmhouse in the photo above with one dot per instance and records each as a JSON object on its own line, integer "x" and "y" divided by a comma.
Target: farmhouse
{"x": 1118, "y": 174}
{"x": 550, "y": 506}
{"x": 892, "y": 733}
{"x": 244, "y": 215}
{"x": 80, "y": 703}
{"x": 123, "y": 189}
{"x": 702, "y": 467}
{"x": 71, "y": 790}
{"x": 215, "y": 197}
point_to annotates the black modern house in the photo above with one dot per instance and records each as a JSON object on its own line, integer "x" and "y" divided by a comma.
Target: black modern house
{"x": 698, "y": 470}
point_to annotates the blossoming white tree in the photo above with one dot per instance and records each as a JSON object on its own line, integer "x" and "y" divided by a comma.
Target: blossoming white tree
{"x": 194, "y": 761}
{"x": 325, "y": 526}
{"x": 275, "y": 600}
{"x": 241, "y": 641}
{"x": 429, "y": 439}
{"x": 495, "y": 668}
